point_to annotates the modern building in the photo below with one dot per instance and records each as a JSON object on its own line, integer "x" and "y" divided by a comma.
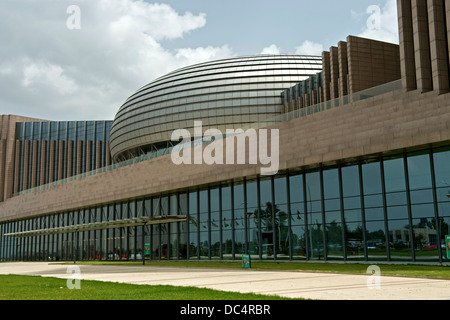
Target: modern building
{"x": 225, "y": 94}
{"x": 363, "y": 161}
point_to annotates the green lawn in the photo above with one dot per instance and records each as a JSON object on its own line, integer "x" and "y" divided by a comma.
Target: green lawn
{"x": 413, "y": 270}
{"x": 15, "y": 287}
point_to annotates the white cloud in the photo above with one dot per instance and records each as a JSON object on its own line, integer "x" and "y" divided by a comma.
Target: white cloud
{"x": 198, "y": 55}
{"x": 309, "y": 48}
{"x": 48, "y": 75}
{"x": 381, "y": 23}
{"x": 51, "y": 72}
{"x": 272, "y": 49}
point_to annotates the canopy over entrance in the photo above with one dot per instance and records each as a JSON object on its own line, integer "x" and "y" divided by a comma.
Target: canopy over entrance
{"x": 131, "y": 222}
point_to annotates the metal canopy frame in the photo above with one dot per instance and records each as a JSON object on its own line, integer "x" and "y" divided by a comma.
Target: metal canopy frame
{"x": 131, "y": 222}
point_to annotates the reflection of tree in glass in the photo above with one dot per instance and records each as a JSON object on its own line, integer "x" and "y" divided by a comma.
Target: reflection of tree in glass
{"x": 271, "y": 216}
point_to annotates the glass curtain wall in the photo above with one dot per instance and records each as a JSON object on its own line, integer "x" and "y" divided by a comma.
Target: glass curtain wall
{"x": 441, "y": 171}
{"x": 394, "y": 208}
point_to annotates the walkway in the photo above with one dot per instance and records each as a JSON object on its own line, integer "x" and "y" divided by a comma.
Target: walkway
{"x": 325, "y": 286}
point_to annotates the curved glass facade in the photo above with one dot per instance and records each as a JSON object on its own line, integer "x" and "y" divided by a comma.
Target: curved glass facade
{"x": 391, "y": 208}
{"x": 229, "y": 93}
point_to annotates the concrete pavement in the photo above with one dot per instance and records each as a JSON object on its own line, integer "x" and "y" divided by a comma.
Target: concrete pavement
{"x": 293, "y": 284}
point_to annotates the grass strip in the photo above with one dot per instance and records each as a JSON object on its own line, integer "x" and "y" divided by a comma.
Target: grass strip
{"x": 18, "y": 287}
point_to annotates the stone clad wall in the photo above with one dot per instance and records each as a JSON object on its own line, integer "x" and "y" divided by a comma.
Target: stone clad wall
{"x": 358, "y": 64}
{"x": 7, "y": 152}
{"x": 389, "y": 122}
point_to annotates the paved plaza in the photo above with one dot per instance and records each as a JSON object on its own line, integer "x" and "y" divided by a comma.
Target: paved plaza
{"x": 292, "y": 284}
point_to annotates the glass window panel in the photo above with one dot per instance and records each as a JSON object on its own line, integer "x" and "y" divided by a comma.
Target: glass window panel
{"x": 371, "y": 173}
{"x": 313, "y": 194}
{"x": 396, "y": 198}
{"x": 226, "y": 198}
{"x": 265, "y": 219}
{"x": 443, "y": 195}
{"x": 239, "y": 197}
{"x": 350, "y": 181}
{"x": 334, "y": 204}
{"x": 297, "y": 214}
{"x": 397, "y": 212}
{"x": 373, "y": 201}
{"x": 44, "y": 130}
{"x": 354, "y": 241}
{"x": 333, "y": 216}
{"x": 203, "y": 205}
{"x": 399, "y": 239}
{"x": 376, "y": 241}
{"x": 441, "y": 159}
{"x": 313, "y": 186}
{"x": 331, "y": 183}
{"x": 239, "y": 242}
{"x": 425, "y": 239}
{"x": 394, "y": 175}
{"x": 266, "y": 192}
{"x": 441, "y": 167}
{"x": 156, "y": 206}
{"x": 334, "y": 241}
{"x": 227, "y": 242}
{"x": 173, "y": 204}
{"x": 215, "y": 223}
{"x": 193, "y": 225}
{"x": 422, "y": 210}
{"x": 298, "y": 239}
{"x": 296, "y": 188}
{"x": 214, "y": 199}
{"x": 316, "y": 250}
{"x": 280, "y": 190}
{"x": 419, "y": 171}
{"x": 373, "y": 214}
{"x": 444, "y": 209}
{"x": 165, "y": 205}
{"x": 352, "y": 203}
{"x": 444, "y": 225}
{"x": 352, "y": 215}
{"x": 421, "y": 196}
{"x": 252, "y": 195}
{"x": 282, "y": 231}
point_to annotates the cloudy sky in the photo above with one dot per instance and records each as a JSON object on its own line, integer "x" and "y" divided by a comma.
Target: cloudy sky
{"x": 60, "y": 62}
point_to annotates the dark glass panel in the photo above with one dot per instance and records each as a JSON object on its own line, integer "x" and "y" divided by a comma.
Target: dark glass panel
{"x": 376, "y": 241}
{"x": 441, "y": 167}
{"x": 280, "y": 190}
{"x": 354, "y": 241}
{"x": 298, "y": 238}
{"x": 425, "y": 239}
{"x": 334, "y": 235}
{"x": 252, "y": 195}
{"x": 371, "y": 174}
{"x": 422, "y": 210}
{"x": 374, "y": 214}
{"x": 399, "y": 239}
{"x": 419, "y": 171}
{"x": 394, "y": 175}
{"x": 193, "y": 225}
{"x": 397, "y": 212}
{"x": 331, "y": 184}
{"x": 350, "y": 181}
